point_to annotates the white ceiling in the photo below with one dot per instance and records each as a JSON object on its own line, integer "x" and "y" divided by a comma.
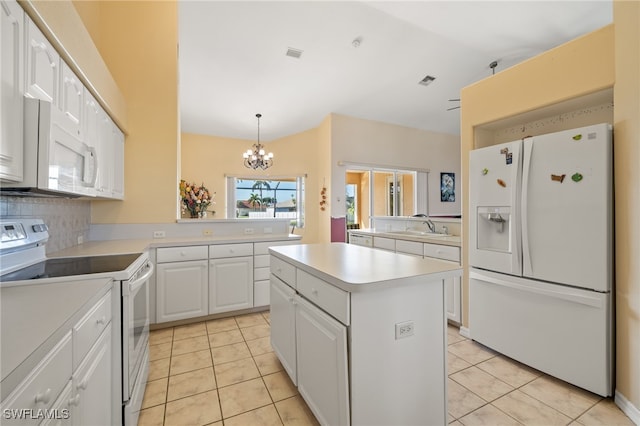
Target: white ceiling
{"x": 233, "y": 63}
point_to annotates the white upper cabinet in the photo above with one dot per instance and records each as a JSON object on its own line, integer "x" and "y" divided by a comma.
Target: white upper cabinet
{"x": 101, "y": 133}
{"x": 43, "y": 66}
{"x": 92, "y": 115}
{"x": 11, "y": 90}
{"x": 71, "y": 100}
{"x": 118, "y": 164}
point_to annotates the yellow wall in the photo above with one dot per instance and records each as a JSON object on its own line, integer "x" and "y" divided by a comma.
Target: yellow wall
{"x": 627, "y": 198}
{"x": 324, "y": 169}
{"x": 146, "y": 70}
{"x": 209, "y": 159}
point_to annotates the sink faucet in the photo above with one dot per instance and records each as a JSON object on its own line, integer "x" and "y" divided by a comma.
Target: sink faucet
{"x": 432, "y": 227}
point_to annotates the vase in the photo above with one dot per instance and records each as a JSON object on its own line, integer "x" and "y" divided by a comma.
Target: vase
{"x": 194, "y": 214}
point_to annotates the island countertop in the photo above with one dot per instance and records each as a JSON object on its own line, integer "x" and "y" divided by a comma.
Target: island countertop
{"x": 355, "y": 268}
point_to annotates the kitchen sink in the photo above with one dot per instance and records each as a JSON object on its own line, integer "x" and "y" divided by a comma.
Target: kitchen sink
{"x": 417, "y": 234}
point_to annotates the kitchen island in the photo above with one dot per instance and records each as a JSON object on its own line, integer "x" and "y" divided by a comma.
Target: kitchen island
{"x": 361, "y": 332}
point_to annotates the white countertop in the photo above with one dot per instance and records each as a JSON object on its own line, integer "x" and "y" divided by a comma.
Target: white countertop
{"x": 355, "y": 268}
{"x": 97, "y": 248}
{"x": 448, "y": 240}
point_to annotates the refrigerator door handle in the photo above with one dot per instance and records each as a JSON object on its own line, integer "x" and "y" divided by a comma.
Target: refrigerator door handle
{"x": 583, "y": 299}
{"x": 526, "y": 167}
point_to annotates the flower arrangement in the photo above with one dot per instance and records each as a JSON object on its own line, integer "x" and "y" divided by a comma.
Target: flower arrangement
{"x": 195, "y": 199}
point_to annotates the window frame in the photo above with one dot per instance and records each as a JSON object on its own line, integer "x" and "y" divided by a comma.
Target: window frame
{"x": 231, "y": 185}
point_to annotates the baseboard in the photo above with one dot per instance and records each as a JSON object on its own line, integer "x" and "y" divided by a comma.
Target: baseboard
{"x": 627, "y": 407}
{"x": 464, "y": 332}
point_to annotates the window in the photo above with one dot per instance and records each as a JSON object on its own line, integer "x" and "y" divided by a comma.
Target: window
{"x": 251, "y": 198}
{"x": 352, "y": 206}
{"x": 372, "y": 192}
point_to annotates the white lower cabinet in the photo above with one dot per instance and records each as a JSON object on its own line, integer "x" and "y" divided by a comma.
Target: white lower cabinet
{"x": 61, "y": 409}
{"x": 321, "y": 348}
{"x": 230, "y": 284}
{"x": 63, "y": 391}
{"x": 91, "y": 396}
{"x": 453, "y": 286}
{"x": 453, "y": 299}
{"x": 196, "y": 281}
{"x": 182, "y": 290}
{"x": 342, "y": 351}
{"x": 312, "y": 348}
{"x": 283, "y": 326}
{"x": 261, "y": 270}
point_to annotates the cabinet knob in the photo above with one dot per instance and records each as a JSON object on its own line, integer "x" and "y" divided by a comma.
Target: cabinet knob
{"x": 44, "y": 397}
{"x": 183, "y": 254}
{"x": 314, "y": 291}
{"x": 101, "y": 321}
{"x": 75, "y": 401}
{"x": 82, "y": 385}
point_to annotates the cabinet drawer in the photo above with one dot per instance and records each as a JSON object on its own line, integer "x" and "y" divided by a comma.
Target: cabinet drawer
{"x": 230, "y": 250}
{"x": 384, "y": 243}
{"x": 410, "y": 247}
{"x": 261, "y": 293}
{"x": 442, "y": 252}
{"x": 261, "y": 261}
{"x": 327, "y": 297}
{"x": 43, "y": 385}
{"x": 88, "y": 329}
{"x": 263, "y": 248}
{"x": 283, "y": 270}
{"x": 261, "y": 274}
{"x": 361, "y": 240}
{"x": 177, "y": 254}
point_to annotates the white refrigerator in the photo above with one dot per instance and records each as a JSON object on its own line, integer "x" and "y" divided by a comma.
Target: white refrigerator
{"x": 541, "y": 253}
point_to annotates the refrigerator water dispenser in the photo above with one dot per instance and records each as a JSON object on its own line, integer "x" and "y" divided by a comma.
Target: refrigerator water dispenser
{"x": 494, "y": 229}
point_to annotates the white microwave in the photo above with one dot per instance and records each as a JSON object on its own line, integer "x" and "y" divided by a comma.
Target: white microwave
{"x": 56, "y": 162}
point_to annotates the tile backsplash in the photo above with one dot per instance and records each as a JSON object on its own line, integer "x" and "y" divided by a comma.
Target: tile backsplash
{"x": 67, "y": 219}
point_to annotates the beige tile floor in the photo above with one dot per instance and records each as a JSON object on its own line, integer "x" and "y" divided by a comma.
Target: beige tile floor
{"x": 219, "y": 372}
{"x": 224, "y": 372}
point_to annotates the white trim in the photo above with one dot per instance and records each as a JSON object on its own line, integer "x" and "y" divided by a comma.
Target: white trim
{"x": 265, "y": 177}
{"x": 382, "y": 167}
{"x": 627, "y": 408}
{"x": 464, "y": 332}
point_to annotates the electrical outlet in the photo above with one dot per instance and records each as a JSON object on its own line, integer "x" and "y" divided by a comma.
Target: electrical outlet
{"x": 207, "y": 232}
{"x": 80, "y": 239}
{"x": 268, "y": 230}
{"x": 158, "y": 234}
{"x": 404, "y": 329}
{"x": 248, "y": 231}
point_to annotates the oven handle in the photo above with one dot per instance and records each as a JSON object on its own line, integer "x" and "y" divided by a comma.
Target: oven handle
{"x": 137, "y": 283}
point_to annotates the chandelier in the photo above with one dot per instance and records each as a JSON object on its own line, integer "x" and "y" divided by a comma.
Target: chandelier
{"x": 257, "y": 157}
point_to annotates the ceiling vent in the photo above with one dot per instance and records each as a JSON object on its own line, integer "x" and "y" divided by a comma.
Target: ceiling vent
{"x": 427, "y": 80}
{"x": 294, "y": 53}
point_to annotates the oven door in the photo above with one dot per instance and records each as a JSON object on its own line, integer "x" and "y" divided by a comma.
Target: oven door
{"x": 135, "y": 326}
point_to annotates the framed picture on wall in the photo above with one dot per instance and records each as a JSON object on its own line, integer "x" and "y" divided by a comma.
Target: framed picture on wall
{"x": 447, "y": 187}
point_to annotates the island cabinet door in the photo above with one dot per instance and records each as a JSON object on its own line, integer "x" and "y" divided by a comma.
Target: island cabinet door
{"x": 283, "y": 325}
{"x": 322, "y": 363}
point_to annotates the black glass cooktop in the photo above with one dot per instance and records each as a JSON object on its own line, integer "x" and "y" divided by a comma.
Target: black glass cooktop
{"x": 67, "y": 266}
